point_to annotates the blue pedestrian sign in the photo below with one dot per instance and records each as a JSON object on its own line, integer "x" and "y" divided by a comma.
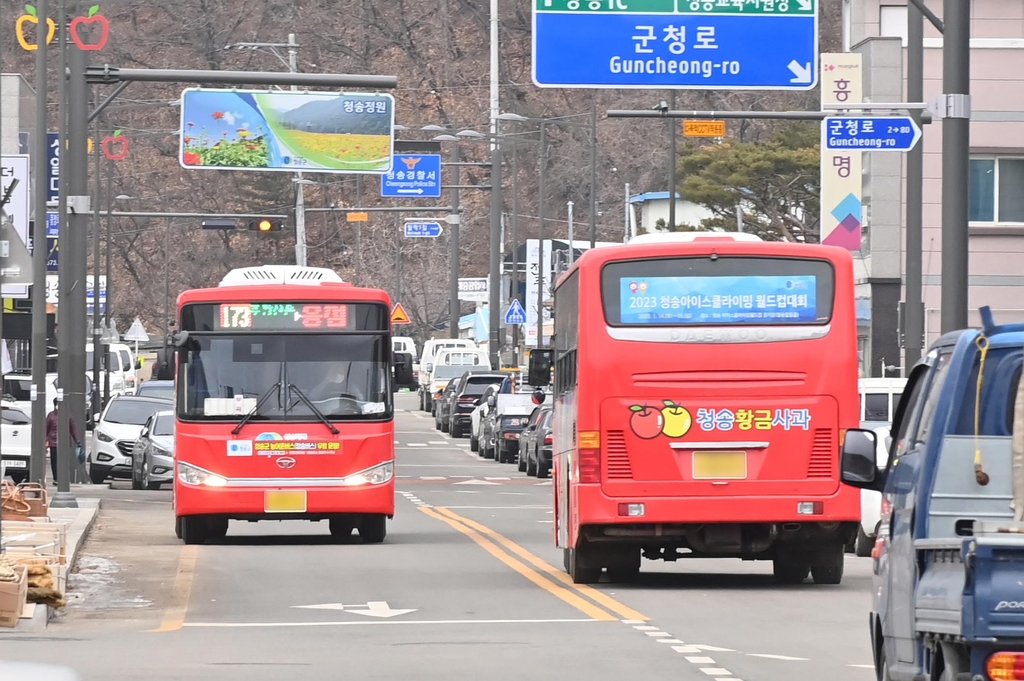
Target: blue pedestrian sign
{"x": 680, "y": 44}
{"x": 871, "y": 133}
{"x": 515, "y": 314}
{"x": 429, "y": 230}
{"x": 415, "y": 176}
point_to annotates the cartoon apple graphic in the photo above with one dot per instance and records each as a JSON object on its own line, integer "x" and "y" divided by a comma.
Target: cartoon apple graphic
{"x": 116, "y": 147}
{"x": 646, "y": 422}
{"x": 30, "y": 18}
{"x": 93, "y": 18}
{"x": 677, "y": 419}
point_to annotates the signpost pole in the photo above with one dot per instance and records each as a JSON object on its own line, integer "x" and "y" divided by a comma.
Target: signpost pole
{"x": 453, "y": 251}
{"x": 913, "y": 318}
{"x": 96, "y": 330}
{"x": 515, "y": 248}
{"x": 672, "y": 168}
{"x": 540, "y": 235}
{"x": 494, "y": 312}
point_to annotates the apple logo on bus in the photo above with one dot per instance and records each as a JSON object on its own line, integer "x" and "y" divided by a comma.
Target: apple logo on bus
{"x": 648, "y": 422}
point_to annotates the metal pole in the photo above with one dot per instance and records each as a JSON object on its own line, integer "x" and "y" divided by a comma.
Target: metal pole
{"x": 95, "y": 397}
{"x": 108, "y": 75}
{"x": 453, "y": 251}
{"x": 913, "y": 306}
{"x": 106, "y": 267}
{"x": 300, "y": 204}
{"x": 572, "y": 250}
{"x": 167, "y": 278}
{"x": 956, "y": 133}
{"x": 359, "y": 232}
{"x": 739, "y": 218}
{"x": 625, "y": 216}
{"x": 64, "y": 270}
{"x": 494, "y": 312}
{"x": 37, "y": 463}
{"x": 540, "y": 234}
{"x": 593, "y": 170}
{"x": 515, "y": 249}
{"x": 672, "y": 162}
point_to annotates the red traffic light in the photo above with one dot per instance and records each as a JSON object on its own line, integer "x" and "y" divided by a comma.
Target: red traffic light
{"x": 265, "y": 225}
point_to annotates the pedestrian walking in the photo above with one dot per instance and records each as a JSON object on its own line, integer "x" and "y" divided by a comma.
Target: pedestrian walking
{"x": 52, "y": 435}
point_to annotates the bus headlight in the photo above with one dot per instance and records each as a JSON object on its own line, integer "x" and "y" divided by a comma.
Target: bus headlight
{"x": 190, "y": 475}
{"x": 377, "y": 475}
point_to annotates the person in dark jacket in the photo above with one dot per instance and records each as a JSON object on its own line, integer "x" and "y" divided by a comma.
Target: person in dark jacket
{"x": 52, "y": 434}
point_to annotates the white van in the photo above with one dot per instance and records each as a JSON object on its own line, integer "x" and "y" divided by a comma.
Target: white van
{"x": 430, "y": 348}
{"x": 878, "y": 400}
{"x": 121, "y": 365}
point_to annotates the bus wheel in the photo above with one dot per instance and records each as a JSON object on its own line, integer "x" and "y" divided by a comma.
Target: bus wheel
{"x": 373, "y": 528}
{"x": 827, "y": 574}
{"x": 341, "y": 528}
{"x": 177, "y": 527}
{"x": 581, "y": 574}
{"x": 217, "y": 527}
{"x": 789, "y": 573}
{"x": 864, "y": 544}
{"x": 193, "y": 529}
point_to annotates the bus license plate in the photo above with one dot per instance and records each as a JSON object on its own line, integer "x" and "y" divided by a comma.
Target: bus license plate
{"x": 284, "y": 501}
{"x": 719, "y": 465}
{"x": 15, "y": 463}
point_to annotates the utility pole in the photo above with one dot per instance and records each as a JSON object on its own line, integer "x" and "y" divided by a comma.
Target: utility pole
{"x": 494, "y": 312}
{"x": 572, "y": 251}
{"x": 300, "y": 205}
{"x": 672, "y": 153}
{"x": 96, "y": 330}
{"x": 956, "y": 135}
{"x": 540, "y": 235}
{"x": 913, "y": 303}
{"x": 37, "y": 462}
{"x": 593, "y": 170}
{"x": 453, "y": 249}
{"x": 515, "y": 249}
{"x": 106, "y": 267}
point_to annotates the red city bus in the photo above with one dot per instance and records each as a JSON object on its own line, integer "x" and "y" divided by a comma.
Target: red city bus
{"x": 703, "y": 385}
{"x": 284, "y": 404}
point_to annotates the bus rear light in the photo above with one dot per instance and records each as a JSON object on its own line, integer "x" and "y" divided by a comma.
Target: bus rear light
{"x": 1005, "y": 666}
{"x": 590, "y": 465}
{"x": 590, "y": 439}
{"x": 842, "y": 437}
{"x": 810, "y": 508}
{"x": 631, "y": 510}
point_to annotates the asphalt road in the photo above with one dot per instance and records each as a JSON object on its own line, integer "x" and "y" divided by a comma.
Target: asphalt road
{"x": 467, "y": 585}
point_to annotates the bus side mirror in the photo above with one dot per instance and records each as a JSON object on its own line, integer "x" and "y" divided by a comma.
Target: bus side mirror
{"x": 857, "y": 464}
{"x": 540, "y": 367}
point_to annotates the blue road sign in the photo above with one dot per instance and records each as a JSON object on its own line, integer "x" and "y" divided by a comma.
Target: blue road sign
{"x": 871, "y": 133}
{"x": 430, "y": 230}
{"x": 682, "y": 44}
{"x": 52, "y": 232}
{"x": 515, "y": 314}
{"x": 413, "y": 176}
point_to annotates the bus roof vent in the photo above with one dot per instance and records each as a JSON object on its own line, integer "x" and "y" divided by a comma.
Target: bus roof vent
{"x": 280, "y": 274}
{"x": 663, "y": 237}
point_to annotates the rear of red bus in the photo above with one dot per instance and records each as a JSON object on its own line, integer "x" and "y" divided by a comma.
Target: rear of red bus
{"x": 702, "y": 391}
{"x": 284, "y": 409}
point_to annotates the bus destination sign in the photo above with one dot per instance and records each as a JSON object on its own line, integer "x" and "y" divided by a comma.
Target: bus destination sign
{"x": 283, "y": 316}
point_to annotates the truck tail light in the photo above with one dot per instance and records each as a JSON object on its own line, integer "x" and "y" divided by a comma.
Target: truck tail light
{"x": 1005, "y": 666}
{"x": 467, "y": 400}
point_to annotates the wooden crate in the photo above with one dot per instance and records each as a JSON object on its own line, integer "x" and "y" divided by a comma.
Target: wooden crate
{"x": 12, "y": 600}
{"x": 37, "y": 498}
{"x": 39, "y": 539}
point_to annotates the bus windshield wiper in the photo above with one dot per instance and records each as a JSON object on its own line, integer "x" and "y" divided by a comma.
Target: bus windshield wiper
{"x": 312, "y": 407}
{"x": 255, "y": 410}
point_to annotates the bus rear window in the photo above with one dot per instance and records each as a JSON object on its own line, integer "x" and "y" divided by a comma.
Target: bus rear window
{"x": 733, "y": 290}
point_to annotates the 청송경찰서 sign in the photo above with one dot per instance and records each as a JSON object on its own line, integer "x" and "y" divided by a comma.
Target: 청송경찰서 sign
{"x": 718, "y": 300}
{"x": 287, "y": 131}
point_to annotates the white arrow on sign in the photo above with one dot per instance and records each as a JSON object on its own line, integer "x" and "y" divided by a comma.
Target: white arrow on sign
{"x": 371, "y": 609}
{"x": 410, "y": 191}
{"x": 801, "y": 72}
{"x": 805, "y": 5}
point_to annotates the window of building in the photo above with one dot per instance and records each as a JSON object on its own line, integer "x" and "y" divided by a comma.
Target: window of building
{"x": 996, "y": 189}
{"x": 892, "y": 22}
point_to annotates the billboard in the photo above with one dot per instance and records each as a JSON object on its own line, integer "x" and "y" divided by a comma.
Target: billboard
{"x": 284, "y": 130}
{"x": 16, "y": 167}
{"x": 474, "y": 289}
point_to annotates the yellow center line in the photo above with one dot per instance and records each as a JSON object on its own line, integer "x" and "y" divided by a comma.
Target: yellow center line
{"x": 624, "y": 611}
{"x": 566, "y": 595}
{"x": 174, "y": 617}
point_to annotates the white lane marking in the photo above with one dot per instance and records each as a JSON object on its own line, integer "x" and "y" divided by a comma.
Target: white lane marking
{"x": 716, "y": 671}
{"x": 514, "y": 494}
{"x": 669, "y": 640}
{"x": 658, "y": 634}
{"x": 432, "y": 477}
{"x": 497, "y": 478}
{"x": 253, "y": 625}
{"x": 700, "y": 660}
{"x": 546, "y": 522}
{"x": 862, "y": 666}
{"x": 417, "y": 444}
{"x": 414, "y": 499}
{"x": 460, "y": 476}
{"x": 714, "y": 649}
{"x": 500, "y": 508}
{"x": 785, "y": 658}
{"x": 542, "y": 484}
{"x": 686, "y": 650}
{"x": 437, "y": 442}
{"x": 467, "y": 491}
{"x": 477, "y": 482}
{"x": 645, "y": 627}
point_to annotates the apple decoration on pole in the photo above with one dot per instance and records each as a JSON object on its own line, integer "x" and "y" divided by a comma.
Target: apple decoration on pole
{"x": 115, "y": 147}
{"x": 93, "y": 18}
{"x": 30, "y": 18}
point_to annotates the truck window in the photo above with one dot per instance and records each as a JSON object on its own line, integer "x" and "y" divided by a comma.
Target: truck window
{"x": 1011, "y": 401}
{"x": 876, "y": 407}
{"x": 922, "y": 429}
{"x": 1002, "y": 370}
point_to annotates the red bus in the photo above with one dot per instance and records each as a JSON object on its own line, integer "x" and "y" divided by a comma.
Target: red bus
{"x": 703, "y": 385}
{"x": 284, "y": 404}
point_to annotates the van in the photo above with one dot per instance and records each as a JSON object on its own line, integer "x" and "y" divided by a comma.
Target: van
{"x": 121, "y": 365}
{"x": 473, "y": 359}
{"x": 430, "y": 348}
{"x": 403, "y": 344}
{"x": 878, "y": 400}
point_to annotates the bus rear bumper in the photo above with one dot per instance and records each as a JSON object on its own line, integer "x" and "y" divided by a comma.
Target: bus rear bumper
{"x": 254, "y": 503}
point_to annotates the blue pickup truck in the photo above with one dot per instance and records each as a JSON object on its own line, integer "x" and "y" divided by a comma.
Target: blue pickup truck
{"x": 948, "y": 592}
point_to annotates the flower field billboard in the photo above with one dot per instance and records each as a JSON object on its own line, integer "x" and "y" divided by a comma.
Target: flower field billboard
{"x": 325, "y": 132}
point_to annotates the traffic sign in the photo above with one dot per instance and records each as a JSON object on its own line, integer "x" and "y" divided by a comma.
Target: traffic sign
{"x": 681, "y": 44}
{"x": 703, "y": 128}
{"x": 413, "y": 176}
{"x": 871, "y": 133}
{"x": 137, "y": 332}
{"x": 357, "y": 217}
{"x": 515, "y": 314}
{"x": 431, "y": 230}
{"x": 399, "y": 315}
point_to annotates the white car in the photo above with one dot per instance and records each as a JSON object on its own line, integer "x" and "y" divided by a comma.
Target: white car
{"x": 16, "y": 436}
{"x": 117, "y": 429}
{"x": 871, "y": 501}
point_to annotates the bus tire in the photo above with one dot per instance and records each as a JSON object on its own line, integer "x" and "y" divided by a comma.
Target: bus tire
{"x": 216, "y": 527}
{"x": 579, "y": 571}
{"x": 790, "y": 573}
{"x": 177, "y": 526}
{"x": 341, "y": 528}
{"x": 373, "y": 528}
{"x": 193, "y": 529}
{"x": 827, "y": 574}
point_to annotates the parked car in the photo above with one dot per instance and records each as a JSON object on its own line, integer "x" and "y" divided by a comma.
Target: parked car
{"x": 471, "y": 390}
{"x": 16, "y": 442}
{"x": 505, "y": 436}
{"x": 476, "y": 417}
{"x": 161, "y": 389}
{"x": 526, "y": 435}
{"x": 117, "y": 429}
{"x": 153, "y": 455}
{"x": 535, "y": 450}
{"x": 444, "y": 404}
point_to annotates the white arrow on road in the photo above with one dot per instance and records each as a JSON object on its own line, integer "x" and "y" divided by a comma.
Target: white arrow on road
{"x": 801, "y": 72}
{"x": 371, "y": 609}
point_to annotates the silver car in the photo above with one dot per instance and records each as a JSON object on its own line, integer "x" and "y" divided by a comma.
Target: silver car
{"x": 153, "y": 456}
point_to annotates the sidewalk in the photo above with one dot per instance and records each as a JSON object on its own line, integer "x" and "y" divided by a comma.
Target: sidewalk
{"x": 79, "y": 521}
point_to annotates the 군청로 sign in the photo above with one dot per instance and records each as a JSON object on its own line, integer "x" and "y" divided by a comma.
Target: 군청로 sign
{"x": 285, "y": 130}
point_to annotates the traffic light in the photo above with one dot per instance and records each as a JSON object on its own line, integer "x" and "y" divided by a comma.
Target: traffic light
{"x": 265, "y": 225}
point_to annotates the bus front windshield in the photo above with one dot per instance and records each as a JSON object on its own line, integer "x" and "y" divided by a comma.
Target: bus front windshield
{"x": 285, "y": 377}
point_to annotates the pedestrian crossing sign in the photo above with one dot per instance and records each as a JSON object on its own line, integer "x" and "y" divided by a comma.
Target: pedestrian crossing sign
{"x": 515, "y": 314}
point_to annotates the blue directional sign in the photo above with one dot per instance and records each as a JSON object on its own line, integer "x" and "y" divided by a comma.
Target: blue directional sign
{"x": 681, "y": 44}
{"x": 414, "y": 176}
{"x": 515, "y": 314}
{"x": 430, "y": 230}
{"x": 871, "y": 133}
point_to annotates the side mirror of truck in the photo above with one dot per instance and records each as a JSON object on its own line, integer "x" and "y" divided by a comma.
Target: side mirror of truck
{"x": 540, "y": 367}
{"x": 403, "y": 368}
{"x": 858, "y": 463}
{"x": 428, "y": 367}
{"x": 490, "y": 401}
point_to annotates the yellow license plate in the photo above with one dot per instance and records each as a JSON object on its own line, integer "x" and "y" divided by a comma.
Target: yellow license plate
{"x": 284, "y": 501}
{"x": 719, "y": 465}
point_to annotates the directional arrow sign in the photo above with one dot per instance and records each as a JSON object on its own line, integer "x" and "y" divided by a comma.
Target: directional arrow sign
{"x": 871, "y": 133}
{"x": 430, "y": 230}
{"x": 371, "y": 609}
{"x": 414, "y": 176}
{"x": 683, "y": 44}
